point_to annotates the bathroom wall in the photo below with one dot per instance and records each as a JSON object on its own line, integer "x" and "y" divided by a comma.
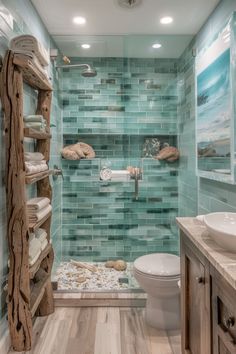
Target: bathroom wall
{"x": 199, "y": 196}
{"x": 25, "y": 20}
{"x": 129, "y": 101}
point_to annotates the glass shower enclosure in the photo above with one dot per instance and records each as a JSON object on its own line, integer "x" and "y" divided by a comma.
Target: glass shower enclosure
{"x": 127, "y": 113}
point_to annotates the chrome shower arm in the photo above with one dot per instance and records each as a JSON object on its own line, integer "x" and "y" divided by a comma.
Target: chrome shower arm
{"x": 73, "y": 66}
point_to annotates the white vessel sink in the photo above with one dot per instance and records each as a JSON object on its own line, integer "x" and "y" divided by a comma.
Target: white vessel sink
{"x": 221, "y": 228}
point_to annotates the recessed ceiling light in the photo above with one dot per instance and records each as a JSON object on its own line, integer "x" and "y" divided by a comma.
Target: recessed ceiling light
{"x": 156, "y": 46}
{"x": 166, "y": 20}
{"x": 85, "y": 46}
{"x": 79, "y": 20}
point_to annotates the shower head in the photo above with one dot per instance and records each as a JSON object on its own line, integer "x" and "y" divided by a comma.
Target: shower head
{"x": 87, "y": 72}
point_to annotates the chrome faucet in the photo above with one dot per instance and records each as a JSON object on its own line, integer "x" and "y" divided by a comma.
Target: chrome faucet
{"x": 136, "y": 174}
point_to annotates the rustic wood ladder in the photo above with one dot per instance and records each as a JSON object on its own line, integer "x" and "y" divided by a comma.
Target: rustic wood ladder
{"x": 29, "y": 288}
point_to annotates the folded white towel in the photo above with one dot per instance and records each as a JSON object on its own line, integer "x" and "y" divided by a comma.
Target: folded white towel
{"x": 36, "y": 204}
{"x": 29, "y": 43}
{"x": 32, "y": 168}
{"x": 34, "y": 248}
{"x": 35, "y": 124}
{"x": 41, "y": 235}
{"x": 33, "y": 156}
{"x": 34, "y": 118}
{"x": 44, "y": 244}
{"x": 37, "y": 216}
{"x": 36, "y": 163}
{"x": 33, "y": 260}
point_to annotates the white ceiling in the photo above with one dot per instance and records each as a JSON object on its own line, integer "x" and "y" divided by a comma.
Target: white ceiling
{"x": 107, "y": 17}
{"x": 115, "y": 31}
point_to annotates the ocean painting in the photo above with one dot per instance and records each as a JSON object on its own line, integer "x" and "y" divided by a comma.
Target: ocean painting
{"x": 214, "y": 114}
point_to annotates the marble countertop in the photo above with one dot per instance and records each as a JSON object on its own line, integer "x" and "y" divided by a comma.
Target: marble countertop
{"x": 222, "y": 260}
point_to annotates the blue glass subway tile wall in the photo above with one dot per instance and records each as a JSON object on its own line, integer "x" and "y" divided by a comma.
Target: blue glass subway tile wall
{"x": 135, "y": 96}
{"x": 127, "y": 103}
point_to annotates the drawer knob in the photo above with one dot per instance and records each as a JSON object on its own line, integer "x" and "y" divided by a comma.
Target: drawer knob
{"x": 200, "y": 280}
{"x": 230, "y": 322}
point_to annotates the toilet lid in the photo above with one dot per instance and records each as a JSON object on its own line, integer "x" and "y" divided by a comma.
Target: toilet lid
{"x": 160, "y": 264}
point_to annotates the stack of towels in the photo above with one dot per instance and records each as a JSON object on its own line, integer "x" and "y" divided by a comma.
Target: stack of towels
{"x": 38, "y": 208}
{"x": 29, "y": 45}
{"x": 35, "y": 121}
{"x": 37, "y": 243}
{"x": 35, "y": 163}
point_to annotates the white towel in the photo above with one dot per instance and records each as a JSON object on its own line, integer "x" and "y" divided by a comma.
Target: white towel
{"x": 32, "y": 168}
{"x": 41, "y": 235}
{"x": 33, "y": 156}
{"x": 36, "y": 163}
{"x": 34, "y": 118}
{"x": 34, "y": 248}
{"x": 33, "y": 260}
{"x": 31, "y": 236}
{"x": 120, "y": 175}
{"x": 105, "y": 174}
{"x": 44, "y": 244}
{"x": 29, "y": 43}
{"x": 37, "y": 216}
{"x": 36, "y": 204}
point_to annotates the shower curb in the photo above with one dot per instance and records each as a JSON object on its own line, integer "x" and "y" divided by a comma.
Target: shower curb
{"x": 99, "y": 299}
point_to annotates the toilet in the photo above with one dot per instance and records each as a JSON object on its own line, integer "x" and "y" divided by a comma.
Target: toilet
{"x": 158, "y": 274}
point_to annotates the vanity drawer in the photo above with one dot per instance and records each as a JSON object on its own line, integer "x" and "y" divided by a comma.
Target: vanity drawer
{"x": 223, "y": 316}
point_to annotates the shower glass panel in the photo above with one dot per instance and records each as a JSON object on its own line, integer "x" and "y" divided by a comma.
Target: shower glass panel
{"x": 126, "y": 113}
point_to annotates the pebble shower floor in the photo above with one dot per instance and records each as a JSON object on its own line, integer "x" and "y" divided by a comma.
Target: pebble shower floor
{"x": 70, "y": 277}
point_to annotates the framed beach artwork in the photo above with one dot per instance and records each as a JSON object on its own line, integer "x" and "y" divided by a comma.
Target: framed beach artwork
{"x": 215, "y": 109}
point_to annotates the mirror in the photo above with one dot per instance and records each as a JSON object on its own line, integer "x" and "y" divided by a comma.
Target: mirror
{"x": 215, "y": 110}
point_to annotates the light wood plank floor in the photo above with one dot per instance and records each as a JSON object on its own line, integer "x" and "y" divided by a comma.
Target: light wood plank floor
{"x": 103, "y": 330}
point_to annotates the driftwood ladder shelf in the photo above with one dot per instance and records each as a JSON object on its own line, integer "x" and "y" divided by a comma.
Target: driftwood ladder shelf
{"x": 29, "y": 288}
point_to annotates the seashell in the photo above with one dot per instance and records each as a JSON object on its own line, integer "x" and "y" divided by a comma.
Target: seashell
{"x": 120, "y": 265}
{"x": 169, "y": 153}
{"x": 78, "y": 151}
{"x": 109, "y": 264}
{"x": 81, "y": 279}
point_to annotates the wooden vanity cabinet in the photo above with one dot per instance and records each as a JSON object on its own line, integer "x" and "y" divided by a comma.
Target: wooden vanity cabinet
{"x": 208, "y": 305}
{"x": 195, "y": 300}
{"x": 223, "y": 315}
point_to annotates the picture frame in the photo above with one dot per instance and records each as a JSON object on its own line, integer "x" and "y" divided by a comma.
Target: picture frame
{"x": 215, "y": 107}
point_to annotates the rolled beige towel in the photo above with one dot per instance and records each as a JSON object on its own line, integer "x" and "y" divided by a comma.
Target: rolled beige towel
{"x": 169, "y": 153}
{"x": 29, "y": 43}
{"x": 87, "y": 150}
{"x": 78, "y": 151}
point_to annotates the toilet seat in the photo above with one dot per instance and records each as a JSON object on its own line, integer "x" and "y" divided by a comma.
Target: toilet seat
{"x": 156, "y": 277}
{"x": 158, "y": 265}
